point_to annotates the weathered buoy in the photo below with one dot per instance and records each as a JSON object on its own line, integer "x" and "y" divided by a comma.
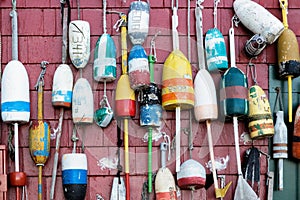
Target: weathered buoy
{"x": 260, "y": 117}
{"x": 150, "y": 110}
{"x": 258, "y": 20}
{"x": 15, "y": 100}
{"x": 191, "y": 175}
{"x": 62, "y": 88}
{"x": 79, "y": 43}
{"x": 296, "y": 135}
{"x": 125, "y": 98}
{"x": 82, "y": 102}
{"x": 74, "y": 176}
{"x": 138, "y": 68}
{"x": 177, "y": 83}
{"x": 138, "y": 21}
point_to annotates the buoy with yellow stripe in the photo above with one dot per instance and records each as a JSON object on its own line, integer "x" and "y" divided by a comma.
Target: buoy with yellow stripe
{"x": 259, "y": 117}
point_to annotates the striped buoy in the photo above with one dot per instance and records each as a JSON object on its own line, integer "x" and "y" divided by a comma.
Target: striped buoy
{"x": 191, "y": 175}
{"x": 260, "y": 117}
{"x": 125, "y": 98}
{"x": 15, "y": 100}
{"x": 138, "y": 21}
{"x": 150, "y": 110}
{"x": 177, "y": 82}
{"x": 79, "y": 43}
{"x": 138, "y": 68}
{"x": 74, "y": 176}
{"x": 258, "y": 20}
{"x": 233, "y": 93}
{"x": 215, "y": 50}
{"x": 165, "y": 188}
{"x": 62, "y": 86}
{"x": 82, "y": 102}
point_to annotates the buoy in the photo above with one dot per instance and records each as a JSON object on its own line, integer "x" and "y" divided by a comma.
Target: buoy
{"x": 15, "y": 100}
{"x": 288, "y": 56}
{"x": 82, "y": 102}
{"x": 138, "y": 21}
{"x": 62, "y": 88}
{"x": 215, "y": 47}
{"x": 39, "y": 133}
{"x": 165, "y": 188}
{"x": 138, "y": 68}
{"x": 105, "y": 65}
{"x": 74, "y": 175}
{"x": 260, "y": 117}
{"x": 296, "y": 135}
{"x": 79, "y": 43}
{"x": 258, "y": 20}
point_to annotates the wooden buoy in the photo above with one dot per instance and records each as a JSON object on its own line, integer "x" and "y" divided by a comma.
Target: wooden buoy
{"x": 82, "y": 102}
{"x": 138, "y": 21}
{"x": 74, "y": 175}
{"x": 138, "y": 68}
{"x": 260, "y": 117}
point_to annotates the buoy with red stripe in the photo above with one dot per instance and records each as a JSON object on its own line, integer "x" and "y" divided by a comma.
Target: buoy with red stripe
{"x": 138, "y": 68}
{"x": 74, "y": 175}
{"x": 215, "y": 47}
{"x": 165, "y": 188}
{"x": 138, "y": 21}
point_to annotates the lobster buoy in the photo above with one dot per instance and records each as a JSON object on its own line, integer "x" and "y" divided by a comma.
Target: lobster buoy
{"x": 215, "y": 49}
{"x": 258, "y": 20}
{"x": 15, "y": 100}
{"x": 62, "y": 88}
{"x": 177, "y": 82}
{"x": 125, "y": 98}
{"x": 82, "y": 102}
{"x": 296, "y": 135}
{"x": 79, "y": 43}
{"x": 138, "y": 22}
{"x": 138, "y": 68}
{"x": 280, "y": 139}
{"x": 105, "y": 65}
{"x": 260, "y": 117}
{"x": 74, "y": 176}
{"x": 150, "y": 110}
{"x": 234, "y": 93}
{"x": 191, "y": 175}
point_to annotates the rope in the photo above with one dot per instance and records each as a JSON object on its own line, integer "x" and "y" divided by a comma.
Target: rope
{"x": 104, "y": 16}
{"x": 215, "y": 13}
{"x": 78, "y": 9}
{"x": 189, "y": 29}
{"x": 252, "y": 69}
{"x": 278, "y": 100}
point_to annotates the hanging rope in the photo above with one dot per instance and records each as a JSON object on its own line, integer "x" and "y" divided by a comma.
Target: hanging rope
{"x": 215, "y": 13}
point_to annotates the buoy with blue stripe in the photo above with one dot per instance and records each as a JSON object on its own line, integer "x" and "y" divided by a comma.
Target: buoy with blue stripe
{"x": 105, "y": 64}
{"x": 215, "y": 47}
{"x": 138, "y": 68}
{"x": 62, "y": 88}
{"x": 39, "y": 133}
{"x": 74, "y": 175}
{"x": 138, "y": 21}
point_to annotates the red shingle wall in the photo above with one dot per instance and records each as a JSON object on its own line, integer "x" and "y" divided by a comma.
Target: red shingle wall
{"x": 40, "y": 39}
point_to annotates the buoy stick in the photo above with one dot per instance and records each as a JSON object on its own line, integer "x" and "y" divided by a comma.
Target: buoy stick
{"x": 177, "y": 138}
{"x": 40, "y": 187}
{"x": 280, "y": 174}
{"x": 16, "y": 131}
{"x": 150, "y": 159}
{"x": 54, "y": 169}
{"x": 290, "y": 99}
{"x": 126, "y": 152}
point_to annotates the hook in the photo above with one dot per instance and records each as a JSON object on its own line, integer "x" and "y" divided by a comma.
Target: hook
{"x": 152, "y": 45}
{"x": 252, "y": 69}
{"x": 42, "y": 74}
{"x": 14, "y": 4}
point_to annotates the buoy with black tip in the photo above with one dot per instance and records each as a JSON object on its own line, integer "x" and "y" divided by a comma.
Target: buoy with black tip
{"x": 39, "y": 133}
{"x": 288, "y": 56}
{"x": 138, "y": 68}
{"x": 266, "y": 27}
{"x": 62, "y": 90}
{"x": 79, "y": 41}
{"x": 177, "y": 82}
{"x": 215, "y": 47}
{"x": 165, "y": 188}
{"x": 138, "y": 21}
{"x": 15, "y": 101}
{"x": 260, "y": 118}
